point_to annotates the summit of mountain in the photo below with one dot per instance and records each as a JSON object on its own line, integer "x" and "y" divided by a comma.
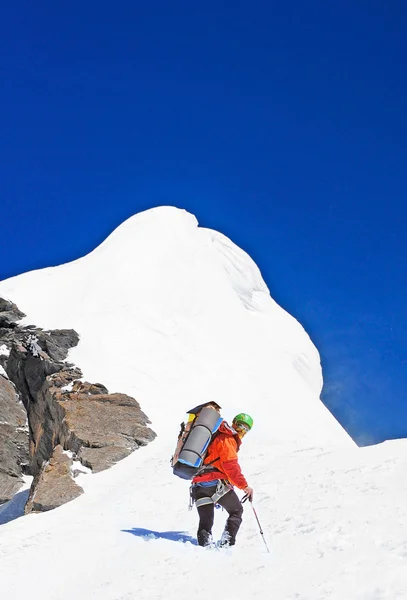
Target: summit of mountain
{"x": 177, "y": 314}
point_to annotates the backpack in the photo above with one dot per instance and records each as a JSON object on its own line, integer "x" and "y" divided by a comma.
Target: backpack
{"x": 194, "y": 439}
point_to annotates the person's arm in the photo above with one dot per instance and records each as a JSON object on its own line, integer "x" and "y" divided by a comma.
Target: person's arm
{"x": 230, "y": 465}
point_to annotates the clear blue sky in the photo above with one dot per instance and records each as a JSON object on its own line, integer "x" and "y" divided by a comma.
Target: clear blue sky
{"x": 281, "y": 124}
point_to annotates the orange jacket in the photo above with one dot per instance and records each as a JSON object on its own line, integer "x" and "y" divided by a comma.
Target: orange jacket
{"x": 222, "y": 454}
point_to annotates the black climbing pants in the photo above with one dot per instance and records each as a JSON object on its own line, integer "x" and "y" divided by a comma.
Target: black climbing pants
{"x": 230, "y": 503}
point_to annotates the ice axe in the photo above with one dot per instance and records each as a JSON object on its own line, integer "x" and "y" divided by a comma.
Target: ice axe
{"x": 243, "y": 500}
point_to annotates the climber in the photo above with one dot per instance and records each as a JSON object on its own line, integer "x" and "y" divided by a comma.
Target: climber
{"x": 214, "y": 482}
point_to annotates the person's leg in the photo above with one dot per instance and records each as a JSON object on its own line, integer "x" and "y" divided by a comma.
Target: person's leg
{"x": 233, "y": 506}
{"x": 206, "y": 514}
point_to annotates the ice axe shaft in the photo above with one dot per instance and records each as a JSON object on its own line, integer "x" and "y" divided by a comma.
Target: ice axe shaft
{"x": 257, "y": 519}
{"x": 261, "y": 531}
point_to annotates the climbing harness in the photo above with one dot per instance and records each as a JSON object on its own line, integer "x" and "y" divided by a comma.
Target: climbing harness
{"x": 222, "y": 488}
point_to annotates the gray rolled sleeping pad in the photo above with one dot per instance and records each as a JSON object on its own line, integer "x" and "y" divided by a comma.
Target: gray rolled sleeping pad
{"x": 194, "y": 449}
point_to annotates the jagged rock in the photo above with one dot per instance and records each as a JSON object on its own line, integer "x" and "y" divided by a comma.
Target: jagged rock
{"x": 54, "y": 484}
{"x": 9, "y": 313}
{"x": 13, "y": 449}
{"x": 11, "y": 411}
{"x": 9, "y": 486}
{"x": 65, "y": 377}
{"x": 100, "y": 421}
{"x": 99, "y": 459}
{"x": 13, "y": 441}
{"x": 101, "y": 428}
{"x": 57, "y": 342}
{"x": 83, "y": 387}
{"x": 29, "y": 366}
{"x": 28, "y": 373}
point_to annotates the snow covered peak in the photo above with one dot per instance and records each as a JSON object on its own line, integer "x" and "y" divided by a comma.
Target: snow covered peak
{"x": 173, "y": 315}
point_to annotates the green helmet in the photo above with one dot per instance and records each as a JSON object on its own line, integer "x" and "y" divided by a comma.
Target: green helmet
{"x": 244, "y": 418}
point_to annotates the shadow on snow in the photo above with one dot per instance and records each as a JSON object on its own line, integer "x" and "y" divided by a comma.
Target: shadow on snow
{"x": 172, "y": 536}
{"x": 14, "y": 508}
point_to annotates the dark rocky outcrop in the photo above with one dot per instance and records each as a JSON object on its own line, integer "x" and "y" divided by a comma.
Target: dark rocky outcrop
{"x": 29, "y": 367}
{"x": 13, "y": 441}
{"x": 63, "y": 412}
{"x": 9, "y": 314}
{"x": 13, "y": 418}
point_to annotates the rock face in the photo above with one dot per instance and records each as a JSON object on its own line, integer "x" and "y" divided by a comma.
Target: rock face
{"x": 53, "y": 485}
{"x": 64, "y": 413}
{"x": 104, "y": 428}
{"x": 9, "y": 314}
{"x": 14, "y": 457}
{"x": 13, "y": 441}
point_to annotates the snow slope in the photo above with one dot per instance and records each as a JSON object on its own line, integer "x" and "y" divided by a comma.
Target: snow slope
{"x": 174, "y": 314}
{"x": 194, "y": 320}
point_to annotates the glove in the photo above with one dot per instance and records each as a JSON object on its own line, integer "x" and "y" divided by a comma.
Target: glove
{"x": 249, "y": 493}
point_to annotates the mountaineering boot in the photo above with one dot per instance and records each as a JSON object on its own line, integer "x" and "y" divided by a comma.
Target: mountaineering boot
{"x": 204, "y": 538}
{"x": 226, "y": 540}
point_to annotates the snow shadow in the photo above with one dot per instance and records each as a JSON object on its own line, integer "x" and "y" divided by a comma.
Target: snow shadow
{"x": 14, "y": 508}
{"x": 173, "y": 536}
